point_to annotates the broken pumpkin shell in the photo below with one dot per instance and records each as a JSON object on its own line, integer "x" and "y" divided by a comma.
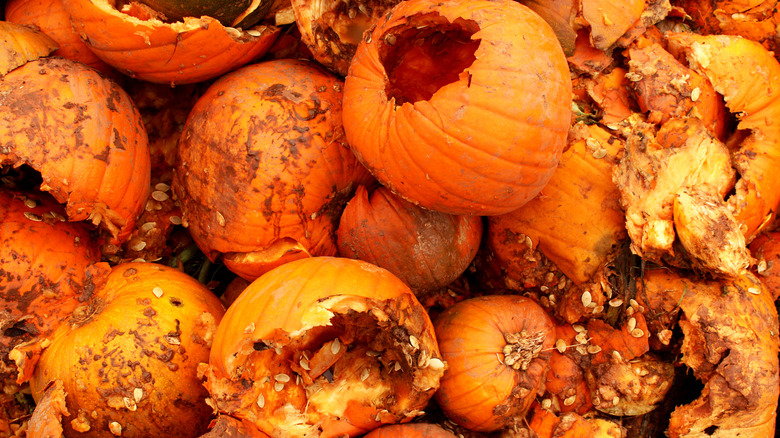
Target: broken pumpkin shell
{"x": 411, "y": 430}
{"x": 20, "y": 44}
{"x": 424, "y": 248}
{"x": 271, "y": 188}
{"x": 497, "y": 349}
{"x": 144, "y": 47}
{"x": 421, "y": 109}
{"x": 130, "y": 353}
{"x": 50, "y": 16}
{"x": 324, "y": 346}
{"x": 84, "y": 135}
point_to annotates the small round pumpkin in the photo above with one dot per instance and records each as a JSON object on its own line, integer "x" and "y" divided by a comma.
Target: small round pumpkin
{"x": 128, "y": 356}
{"x": 84, "y": 135}
{"x": 50, "y": 16}
{"x": 137, "y": 43}
{"x": 423, "y": 110}
{"x": 424, "y": 248}
{"x": 497, "y": 349}
{"x": 271, "y": 188}
{"x": 324, "y": 346}
{"x": 411, "y": 430}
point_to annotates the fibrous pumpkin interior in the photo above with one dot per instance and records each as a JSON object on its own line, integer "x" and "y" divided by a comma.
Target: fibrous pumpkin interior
{"x": 427, "y": 54}
{"x": 354, "y": 364}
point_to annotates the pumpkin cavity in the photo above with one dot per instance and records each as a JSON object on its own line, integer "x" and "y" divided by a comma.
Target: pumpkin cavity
{"x": 425, "y": 55}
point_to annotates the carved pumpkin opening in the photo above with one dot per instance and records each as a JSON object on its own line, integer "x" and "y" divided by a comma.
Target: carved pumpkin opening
{"x": 426, "y": 55}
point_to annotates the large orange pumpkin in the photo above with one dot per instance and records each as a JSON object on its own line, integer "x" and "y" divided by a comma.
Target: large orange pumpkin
{"x": 497, "y": 349}
{"x": 324, "y": 346}
{"x": 263, "y": 172}
{"x": 137, "y": 43}
{"x": 424, "y": 248}
{"x": 128, "y": 356}
{"x": 459, "y": 106}
{"x": 84, "y": 135}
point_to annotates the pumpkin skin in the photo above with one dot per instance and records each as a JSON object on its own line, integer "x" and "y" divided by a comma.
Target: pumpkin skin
{"x": 84, "y": 135}
{"x": 421, "y": 110}
{"x": 483, "y": 339}
{"x": 128, "y": 355}
{"x": 47, "y": 267}
{"x": 272, "y": 188}
{"x": 308, "y": 315}
{"x": 424, "y": 248}
{"x": 411, "y": 430}
{"x": 50, "y": 16}
{"x": 21, "y": 44}
{"x": 143, "y": 47}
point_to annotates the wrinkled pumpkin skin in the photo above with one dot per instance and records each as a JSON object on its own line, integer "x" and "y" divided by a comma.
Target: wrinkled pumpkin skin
{"x": 444, "y": 106}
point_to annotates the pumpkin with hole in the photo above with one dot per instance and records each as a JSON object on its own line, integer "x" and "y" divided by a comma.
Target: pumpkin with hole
{"x": 444, "y": 106}
{"x": 334, "y": 347}
{"x": 85, "y": 136}
{"x": 497, "y": 349}
{"x": 130, "y": 353}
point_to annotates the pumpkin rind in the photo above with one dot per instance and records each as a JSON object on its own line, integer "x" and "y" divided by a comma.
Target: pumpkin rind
{"x": 444, "y": 106}
{"x": 130, "y": 354}
{"x": 84, "y": 135}
{"x": 272, "y": 187}
{"x": 335, "y": 347}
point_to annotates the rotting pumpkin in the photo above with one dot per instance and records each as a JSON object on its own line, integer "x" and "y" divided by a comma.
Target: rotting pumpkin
{"x": 324, "y": 346}
{"x": 445, "y": 106}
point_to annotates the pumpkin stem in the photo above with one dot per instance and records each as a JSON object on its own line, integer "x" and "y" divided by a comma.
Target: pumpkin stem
{"x": 521, "y": 348}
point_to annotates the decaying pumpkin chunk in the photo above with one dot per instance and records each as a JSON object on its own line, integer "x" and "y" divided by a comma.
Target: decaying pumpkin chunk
{"x": 609, "y": 20}
{"x": 730, "y": 330}
{"x": 46, "y": 420}
{"x": 20, "y": 43}
{"x": 657, "y": 177}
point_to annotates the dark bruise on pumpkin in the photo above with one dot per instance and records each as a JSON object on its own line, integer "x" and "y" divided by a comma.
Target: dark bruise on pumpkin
{"x": 280, "y": 172}
{"x": 127, "y": 354}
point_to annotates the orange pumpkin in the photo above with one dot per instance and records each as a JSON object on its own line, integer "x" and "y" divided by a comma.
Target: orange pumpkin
{"x": 324, "y": 346}
{"x": 50, "y": 16}
{"x": 48, "y": 268}
{"x": 766, "y": 250}
{"x": 271, "y": 189}
{"x": 411, "y": 430}
{"x": 22, "y": 43}
{"x": 422, "y": 110}
{"x": 424, "y": 248}
{"x": 84, "y": 135}
{"x": 497, "y": 349}
{"x": 137, "y": 43}
{"x": 128, "y": 356}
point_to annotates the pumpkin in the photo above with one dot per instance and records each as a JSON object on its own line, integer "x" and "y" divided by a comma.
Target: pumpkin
{"x": 546, "y": 424}
{"x": 333, "y": 29}
{"x": 233, "y": 13}
{"x": 411, "y": 430}
{"x": 579, "y": 244}
{"x": 565, "y": 387}
{"x": 497, "y": 349}
{"x": 129, "y": 354}
{"x": 609, "y": 21}
{"x": 21, "y": 44}
{"x": 84, "y": 135}
{"x": 332, "y": 346}
{"x": 50, "y": 16}
{"x": 730, "y": 342}
{"x": 424, "y": 248}
{"x": 272, "y": 188}
{"x": 49, "y": 267}
{"x": 137, "y": 43}
{"x": 422, "y": 113}
{"x": 766, "y": 251}
{"x": 752, "y": 93}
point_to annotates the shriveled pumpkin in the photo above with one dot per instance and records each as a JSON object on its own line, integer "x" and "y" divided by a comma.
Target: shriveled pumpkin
{"x": 271, "y": 188}
{"x": 50, "y": 16}
{"x": 423, "y": 112}
{"x": 324, "y": 346}
{"x": 497, "y": 349}
{"x": 424, "y": 248}
{"x": 137, "y": 42}
{"x": 127, "y": 357}
{"x": 84, "y": 135}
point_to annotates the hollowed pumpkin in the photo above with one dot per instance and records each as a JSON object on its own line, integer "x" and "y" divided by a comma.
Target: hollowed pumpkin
{"x": 444, "y": 105}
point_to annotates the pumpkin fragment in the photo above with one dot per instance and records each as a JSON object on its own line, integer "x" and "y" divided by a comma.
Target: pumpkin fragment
{"x": 20, "y": 44}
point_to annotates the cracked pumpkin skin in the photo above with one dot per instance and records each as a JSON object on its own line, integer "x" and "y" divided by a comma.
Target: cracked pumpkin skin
{"x": 497, "y": 349}
{"x": 129, "y": 356}
{"x": 324, "y": 347}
